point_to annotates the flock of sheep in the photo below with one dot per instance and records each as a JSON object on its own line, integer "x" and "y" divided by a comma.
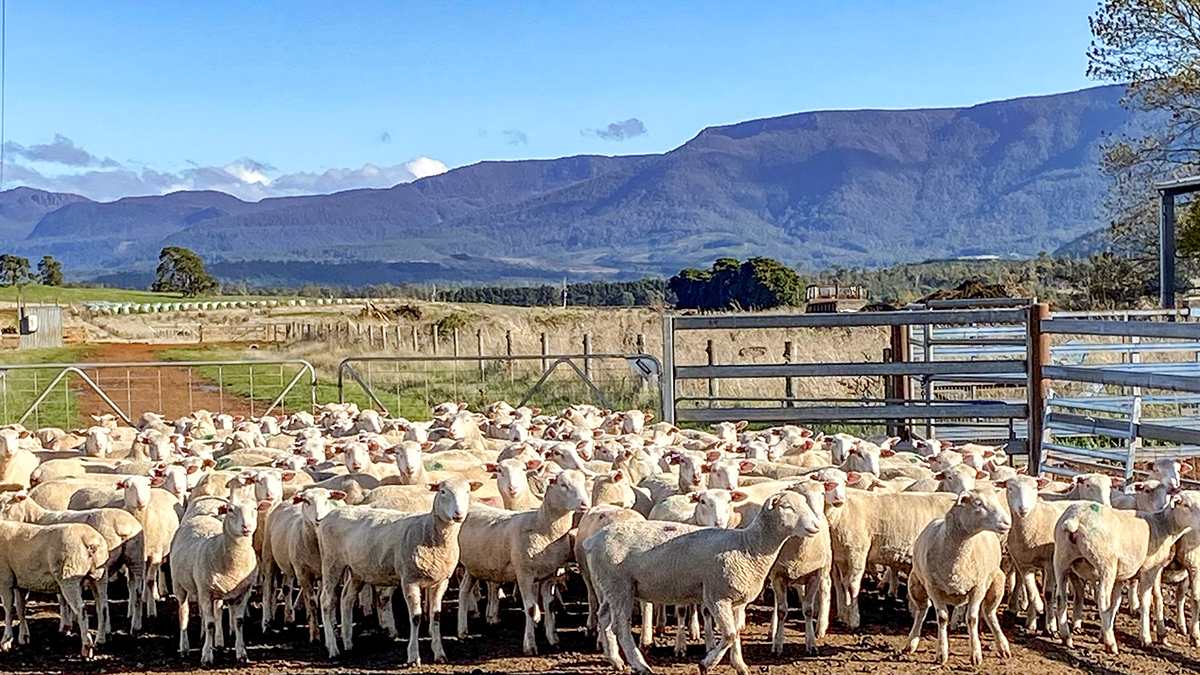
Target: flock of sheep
{"x": 328, "y": 513}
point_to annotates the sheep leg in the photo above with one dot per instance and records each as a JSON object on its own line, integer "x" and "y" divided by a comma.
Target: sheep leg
{"x": 839, "y": 590}
{"x": 943, "y": 627}
{"x": 1194, "y": 599}
{"x": 307, "y": 592}
{"x": 1160, "y": 623}
{"x": 65, "y": 621}
{"x": 6, "y": 598}
{"x": 184, "y": 615}
{"x": 528, "y": 590}
{"x": 1108, "y": 598}
{"x": 464, "y": 596}
{"x": 137, "y": 596}
{"x": 606, "y": 640}
{"x": 681, "y": 619}
{"x": 779, "y": 614}
{"x": 550, "y": 626}
{"x": 103, "y": 618}
{"x": 412, "y": 599}
{"x": 238, "y": 619}
{"x": 22, "y": 620}
{"x": 329, "y": 601}
{"x": 266, "y": 572}
{"x": 72, "y": 591}
{"x": 1077, "y": 607}
{"x": 918, "y": 605}
{"x": 1145, "y": 593}
{"x": 386, "y": 613}
{"x": 152, "y": 594}
{"x": 621, "y": 610}
{"x": 210, "y": 614}
{"x": 350, "y": 592}
{"x": 973, "y": 626}
{"x": 822, "y": 605}
{"x": 725, "y": 622}
{"x": 493, "y": 603}
{"x": 853, "y": 582}
{"x": 1036, "y": 603}
{"x": 1181, "y": 595}
{"x": 694, "y": 621}
{"x": 647, "y": 637}
{"x": 810, "y": 603}
{"x": 991, "y": 605}
{"x": 591, "y": 600}
{"x": 289, "y": 605}
{"x": 435, "y": 619}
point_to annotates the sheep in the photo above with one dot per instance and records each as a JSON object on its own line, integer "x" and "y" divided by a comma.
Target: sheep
{"x": 707, "y": 508}
{"x": 99, "y": 442}
{"x": 291, "y": 547}
{"x": 597, "y": 518}
{"x": 723, "y": 569}
{"x": 1113, "y": 547}
{"x": 956, "y": 561}
{"x": 213, "y": 561}
{"x": 876, "y": 528}
{"x": 1031, "y": 544}
{"x": 806, "y": 562}
{"x": 417, "y": 552}
{"x": 527, "y": 547}
{"x": 157, "y": 511}
{"x": 125, "y": 545}
{"x": 16, "y": 463}
{"x": 513, "y": 483}
{"x": 49, "y": 559}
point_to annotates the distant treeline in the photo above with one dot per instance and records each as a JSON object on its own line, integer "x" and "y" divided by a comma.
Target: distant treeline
{"x": 758, "y": 283}
{"x": 643, "y": 292}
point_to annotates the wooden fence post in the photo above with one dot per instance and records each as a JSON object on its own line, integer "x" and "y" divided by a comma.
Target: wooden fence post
{"x": 788, "y": 391}
{"x": 545, "y": 351}
{"x": 435, "y": 339}
{"x": 587, "y": 352}
{"x": 713, "y": 388}
{"x": 479, "y": 351}
{"x": 1037, "y": 356}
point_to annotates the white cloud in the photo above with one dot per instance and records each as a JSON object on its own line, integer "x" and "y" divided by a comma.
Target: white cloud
{"x": 80, "y": 173}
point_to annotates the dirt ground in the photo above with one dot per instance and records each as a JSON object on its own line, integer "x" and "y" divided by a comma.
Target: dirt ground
{"x": 872, "y": 649}
{"x": 180, "y": 394}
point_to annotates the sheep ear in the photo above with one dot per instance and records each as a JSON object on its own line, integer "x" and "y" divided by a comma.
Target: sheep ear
{"x": 741, "y": 425}
{"x": 491, "y": 468}
{"x": 941, "y": 475}
{"x": 122, "y": 484}
{"x": 887, "y": 452}
{"x": 287, "y": 475}
{"x": 1176, "y": 500}
{"x": 209, "y": 463}
{"x": 964, "y": 498}
{"x": 1185, "y": 468}
{"x": 426, "y": 445}
{"x": 337, "y": 495}
{"x": 533, "y": 464}
{"x": 433, "y": 487}
{"x": 475, "y": 485}
{"x": 694, "y": 497}
{"x": 20, "y": 496}
{"x": 1000, "y": 483}
{"x": 264, "y": 506}
{"x": 157, "y": 481}
{"x": 222, "y": 509}
{"x": 618, "y": 476}
{"x": 1042, "y": 481}
{"x": 830, "y": 486}
{"x": 738, "y": 496}
{"x": 979, "y": 475}
{"x": 747, "y": 465}
{"x": 706, "y": 468}
{"x": 771, "y": 502}
{"x": 299, "y": 498}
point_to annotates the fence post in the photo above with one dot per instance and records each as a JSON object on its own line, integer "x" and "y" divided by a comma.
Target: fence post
{"x": 508, "y": 343}
{"x": 788, "y": 391}
{"x": 667, "y": 380}
{"x": 416, "y": 342}
{"x": 897, "y": 385}
{"x": 479, "y": 351}
{"x": 456, "y": 342}
{"x": 545, "y": 351}
{"x": 641, "y": 343}
{"x": 435, "y": 339}
{"x": 587, "y": 351}
{"x": 712, "y": 384}
{"x": 1037, "y": 355}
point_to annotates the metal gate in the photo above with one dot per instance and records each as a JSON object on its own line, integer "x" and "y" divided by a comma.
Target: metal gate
{"x": 408, "y": 386}
{"x": 63, "y": 394}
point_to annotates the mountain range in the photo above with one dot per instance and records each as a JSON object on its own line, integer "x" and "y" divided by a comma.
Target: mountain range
{"x": 862, "y": 187}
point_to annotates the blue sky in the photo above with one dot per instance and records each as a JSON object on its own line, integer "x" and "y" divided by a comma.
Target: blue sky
{"x": 291, "y": 89}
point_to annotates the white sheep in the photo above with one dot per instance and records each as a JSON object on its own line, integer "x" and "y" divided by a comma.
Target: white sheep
{"x": 415, "y": 552}
{"x": 956, "y": 561}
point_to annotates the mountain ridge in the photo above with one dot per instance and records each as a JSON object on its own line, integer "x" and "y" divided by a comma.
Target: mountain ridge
{"x": 856, "y": 187}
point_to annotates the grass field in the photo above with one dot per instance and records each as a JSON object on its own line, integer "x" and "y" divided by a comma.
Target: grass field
{"x": 64, "y": 295}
